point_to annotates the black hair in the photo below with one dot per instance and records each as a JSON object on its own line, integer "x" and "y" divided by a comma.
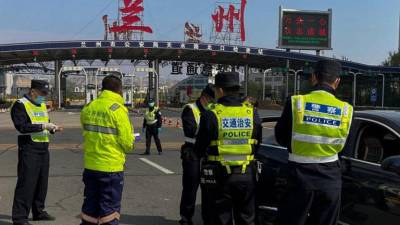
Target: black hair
{"x": 112, "y": 83}
{"x": 235, "y": 90}
{"x": 324, "y": 77}
{"x": 327, "y": 71}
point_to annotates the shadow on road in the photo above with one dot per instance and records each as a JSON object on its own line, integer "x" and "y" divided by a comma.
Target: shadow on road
{"x": 5, "y": 217}
{"x": 145, "y": 220}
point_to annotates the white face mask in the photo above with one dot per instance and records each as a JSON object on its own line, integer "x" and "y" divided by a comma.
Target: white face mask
{"x": 151, "y": 105}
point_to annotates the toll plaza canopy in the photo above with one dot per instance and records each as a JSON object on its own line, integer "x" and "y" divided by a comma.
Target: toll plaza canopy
{"x": 18, "y": 53}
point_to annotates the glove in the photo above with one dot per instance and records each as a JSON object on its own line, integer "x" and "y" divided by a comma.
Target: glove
{"x": 49, "y": 126}
{"x": 159, "y": 129}
{"x": 143, "y": 130}
{"x": 137, "y": 137}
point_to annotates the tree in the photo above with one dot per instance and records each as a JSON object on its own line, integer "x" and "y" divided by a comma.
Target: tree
{"x": 393, "y": 59}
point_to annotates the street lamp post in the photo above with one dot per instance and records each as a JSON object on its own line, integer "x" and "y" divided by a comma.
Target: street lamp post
{"x": 266, "y": 71}
{"x": 354, "y": 85}
{"x": 295, "y": 72}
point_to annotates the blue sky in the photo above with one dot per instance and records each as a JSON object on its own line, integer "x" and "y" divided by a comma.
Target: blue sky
{"x": 363, "y": 30}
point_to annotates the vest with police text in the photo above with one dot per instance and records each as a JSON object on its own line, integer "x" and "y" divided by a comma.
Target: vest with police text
{"x": 321, "y": 124}
{"x": 235, "y": 130}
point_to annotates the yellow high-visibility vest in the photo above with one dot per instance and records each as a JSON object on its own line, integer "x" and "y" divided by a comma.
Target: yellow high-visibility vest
{"x": 150, "y": 116}
{"x": 37, "y": 115}
{"x": 321, "y": 124}
{"x": 235, "y": 130}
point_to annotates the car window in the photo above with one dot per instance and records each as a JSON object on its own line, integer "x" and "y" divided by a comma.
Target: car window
{"x": 376, "y": 143}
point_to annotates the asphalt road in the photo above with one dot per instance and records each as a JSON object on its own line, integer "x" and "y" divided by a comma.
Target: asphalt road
{"x": 152, "y": 183}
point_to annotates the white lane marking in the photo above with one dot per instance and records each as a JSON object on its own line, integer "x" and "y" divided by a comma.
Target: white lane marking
{"x": 155, "y": 165}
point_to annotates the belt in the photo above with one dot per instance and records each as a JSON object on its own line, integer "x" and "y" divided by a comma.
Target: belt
{"x": 225, "y": 160}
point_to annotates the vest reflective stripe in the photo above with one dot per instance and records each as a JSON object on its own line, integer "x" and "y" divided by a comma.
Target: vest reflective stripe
{"x": 310, "y": 159}
{"x": 321, "y": 124}
{"x": 100, "y": 129}
{"x": 234, "y": 142}
{"x": 318, "y": 139}
{"x": 150, "y": 116}
{"x": 235, "y": 129}
{"x": 230, "y": 157}
{"x": 37, "y": 115}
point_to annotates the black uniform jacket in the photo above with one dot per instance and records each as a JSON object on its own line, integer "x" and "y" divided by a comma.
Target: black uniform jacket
{"x": 208, "y": 130}
{"x": 24, "y": 125}
{"x": 307, "y": 176}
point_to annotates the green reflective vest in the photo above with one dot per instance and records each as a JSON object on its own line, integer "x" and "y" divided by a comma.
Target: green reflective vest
{"x": 235, "y": 130}
{"x": 321, "y": 124}
{"x": 107, "y": 132}
{"x": 37, "y": 115}
{"x": 150, "y": 116}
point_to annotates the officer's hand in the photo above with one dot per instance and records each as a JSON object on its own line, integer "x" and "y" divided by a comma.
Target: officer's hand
{"x": 143, "y": 130}
{"x": 59, "y": 128}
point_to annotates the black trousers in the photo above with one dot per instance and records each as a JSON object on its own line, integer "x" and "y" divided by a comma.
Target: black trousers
{"x": 190, "y": 185}
{"x": 152, "y": 130}
{"x": 233, "y": 199}
{"x": 322, "y": 206}
{"x": 31, "y": 189}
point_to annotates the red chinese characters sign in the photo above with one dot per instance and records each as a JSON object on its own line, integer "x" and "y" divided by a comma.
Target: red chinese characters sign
{"x": 219, "y": 17}
{"x": 305, "y": 30}
{"x": 130, "y": 17}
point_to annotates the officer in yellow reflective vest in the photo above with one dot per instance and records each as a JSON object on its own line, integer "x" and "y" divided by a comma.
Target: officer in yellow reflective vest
{"x": 108, "y": 136}
{"x": 30, "y": 118}
{"x": 152, "y": 126}
{"x": 314, "y": 127}
{"x": 190, "y": 162}
{"x": 229, "y": 135}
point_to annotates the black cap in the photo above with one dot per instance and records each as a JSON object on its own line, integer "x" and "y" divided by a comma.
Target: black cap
{"x": 327, "y": 67}
{"x": 227, "y": 79}
{"x": 150, "y": 100}
{"x": 209, "y": 90}
{"x": 40, "y": 85}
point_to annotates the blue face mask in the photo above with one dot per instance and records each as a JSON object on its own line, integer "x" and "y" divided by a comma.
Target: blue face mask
{"x": 40, "y": 99}
{"x": 151, "y": 105}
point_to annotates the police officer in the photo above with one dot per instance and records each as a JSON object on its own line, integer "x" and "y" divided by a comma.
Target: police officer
{"x": 152, "y": 126}
{"x": 228, "y": 137}
{"x": 190, "y": 162}
{"x": 314, "y": 127}
{"x": 108, "y": 136}
{"x": 30, "y": 118}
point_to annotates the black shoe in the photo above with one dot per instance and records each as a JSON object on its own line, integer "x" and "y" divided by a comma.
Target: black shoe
{"x": 23, "y": 223}
{"x": 44, "y": 216}
{"x": 145, "y": 153}
{"x": 160, "y": 153}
